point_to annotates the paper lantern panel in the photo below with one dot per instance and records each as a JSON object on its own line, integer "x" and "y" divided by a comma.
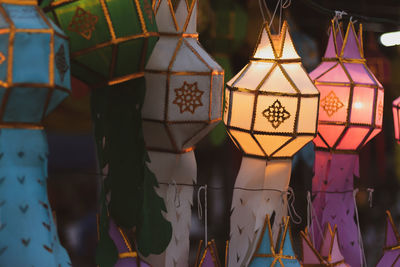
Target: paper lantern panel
{"x": 110, "y": 40}
{"x": 183, "y": 99}
{"x": 351, "y": 108}
{"x": 34, "y": 64}
{"x": 271, "y": 106}
{"x": 396, "y": 119}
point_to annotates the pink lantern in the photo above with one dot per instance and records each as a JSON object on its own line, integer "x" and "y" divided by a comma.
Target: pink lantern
{"x": 328, "y": 255}
{"x": 350, "y": 115}
{"x": 351, "y": 108}
{"x": 391, "y": 250}
{"x": 396, "y": 118}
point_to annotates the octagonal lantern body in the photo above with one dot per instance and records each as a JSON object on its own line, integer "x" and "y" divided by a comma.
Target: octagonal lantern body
{"x": 271, "y": 105}
{"x": 351, "y": 108}
{"x": 183, "y": 83}
{"x": 34, "y": 64}
{"x": 111, "y": 40}
{"x": 396, "y": 119}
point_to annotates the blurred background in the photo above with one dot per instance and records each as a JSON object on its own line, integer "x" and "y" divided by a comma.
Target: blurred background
{"x": 229, "y": 30}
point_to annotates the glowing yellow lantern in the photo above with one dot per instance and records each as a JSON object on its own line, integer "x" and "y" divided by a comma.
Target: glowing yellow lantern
{"x": 271, "y": 113}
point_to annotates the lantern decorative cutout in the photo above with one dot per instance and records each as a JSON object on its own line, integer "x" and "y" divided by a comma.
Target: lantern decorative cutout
{"x": 268, "y": 255}
{"x": 396, "y": 118}
{"x": 105, "y": 49}
{"x": 350, "y": 114}
{"x": 271, "y": 113}
{"x": 183, "y": 103}
{"x": 34, "y": 79}
{"x": 328, "y": 255}
{"x": 127, "y": 256}
{"x": 210, "y": 256}
{"x": 391, "y": 251}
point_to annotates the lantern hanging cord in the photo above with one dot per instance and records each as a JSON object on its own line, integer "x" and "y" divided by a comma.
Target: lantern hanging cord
{"x": 331, "y": 12}
{"x": 310, "y": 212}
{"x": 291, "y": 198}
{"x": 200, "y": 211}
{"x": 281, "y": 4}
{"x": 363, "y": 259}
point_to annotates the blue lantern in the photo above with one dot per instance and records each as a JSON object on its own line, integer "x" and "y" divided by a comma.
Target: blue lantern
{"x": 34, "y": 79}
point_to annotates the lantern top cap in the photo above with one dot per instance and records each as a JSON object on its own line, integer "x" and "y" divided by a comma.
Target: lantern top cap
{"x": 20, "y": 2}
{"x": 181, "y": 20}
{"x": 329, "y": 252}
{"x": 275, "y": 46}
{"x": 392, "y": 237}
{"x": 344, "y": 46}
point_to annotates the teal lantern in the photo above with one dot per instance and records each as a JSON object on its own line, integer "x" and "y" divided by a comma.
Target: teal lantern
{"x": 34, "y": 79}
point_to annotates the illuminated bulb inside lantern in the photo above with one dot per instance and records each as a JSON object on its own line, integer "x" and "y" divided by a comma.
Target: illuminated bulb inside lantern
{"x": 358, "y": 105}
{"x": 390, "y": 38}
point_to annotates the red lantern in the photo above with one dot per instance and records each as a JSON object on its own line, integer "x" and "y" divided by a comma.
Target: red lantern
{"x": 351, "y": 108}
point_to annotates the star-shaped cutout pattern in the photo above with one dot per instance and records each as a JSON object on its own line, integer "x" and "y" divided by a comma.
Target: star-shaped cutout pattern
{"x": 188, "y": 97}
{"x": 83, "y": 23}
{"x": 276, "y": 114}
{"x": 331, "y": 103}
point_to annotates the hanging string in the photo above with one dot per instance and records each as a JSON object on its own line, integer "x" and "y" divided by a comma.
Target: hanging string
{"x": 370, "y": 195}
{"x": 312, "y": 212}
{"x": 309, "y": 215}
{"x": 200, "y": 211}
{"x": 261, "y": 9}
{"x": 330, "y": 12}
{"x": 177, "y": 198}
{"x": 291, "y": 198}
{"x": 363, "y": 259}
{"x": 273, "y": 14}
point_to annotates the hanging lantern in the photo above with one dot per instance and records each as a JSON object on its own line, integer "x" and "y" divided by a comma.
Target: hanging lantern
{"x": 105, "y": 49}
{"x": 396, "y": 118}
{"x": 182, "y": 104}
{"x": 111, "y": 43}
{"x": 127, "y": 254}
{"x": 350, "y": 115}
{"x": 210, "y": 256}
{"x": 328, "y": 255}
{"x": 268, "y": 255}
{"x": 391, "y": 251}
{"x": 34, "y": 79}
{"x": 271, "y": 113}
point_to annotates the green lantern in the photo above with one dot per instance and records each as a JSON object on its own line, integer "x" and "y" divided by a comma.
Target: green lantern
{"x": 111, "y": 40}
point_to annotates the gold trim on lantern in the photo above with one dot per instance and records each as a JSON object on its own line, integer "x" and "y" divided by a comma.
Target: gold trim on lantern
{"x": 21, "y": 125}
{"x": 20, "y": 2}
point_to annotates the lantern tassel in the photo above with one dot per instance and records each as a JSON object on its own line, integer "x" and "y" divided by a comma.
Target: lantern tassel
{"x": 176, "y": 174}
{"x": 260, "y": 190}
{"x": 334, "y": 201}
{"x": 26, "y": 220}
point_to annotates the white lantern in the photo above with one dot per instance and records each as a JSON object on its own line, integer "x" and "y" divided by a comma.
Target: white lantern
{"x": 272, "y": 108}
{"x": 183, "y": 103}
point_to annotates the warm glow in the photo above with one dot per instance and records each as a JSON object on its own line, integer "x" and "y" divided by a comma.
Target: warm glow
{"x": 351, "y": 107}
{"x": 358, "y": 105}
{"x": 390, "y": 38}
{"x": 265, "y": 117}
{"x": 396, "y": 119}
